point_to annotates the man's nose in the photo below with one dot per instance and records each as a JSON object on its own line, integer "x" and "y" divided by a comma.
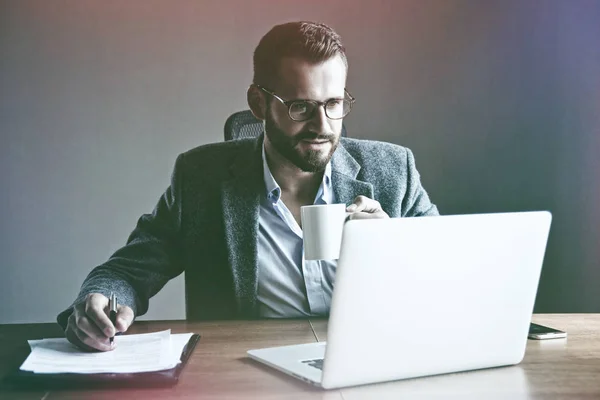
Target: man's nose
{"x": 319, "y": 120}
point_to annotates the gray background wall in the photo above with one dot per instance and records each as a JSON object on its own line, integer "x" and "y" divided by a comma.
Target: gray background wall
{"x": 499, "y": 100}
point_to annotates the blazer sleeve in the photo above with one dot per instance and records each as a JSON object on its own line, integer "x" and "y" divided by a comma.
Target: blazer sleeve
{"x": 416, "y": 202}
{"x": 149, "y": 259}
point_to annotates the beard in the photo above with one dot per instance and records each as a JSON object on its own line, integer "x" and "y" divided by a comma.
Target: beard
{"x": 309, "y": 160}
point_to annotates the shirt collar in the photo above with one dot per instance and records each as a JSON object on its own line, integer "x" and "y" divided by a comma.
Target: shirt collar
{"x": 274, "y": 190}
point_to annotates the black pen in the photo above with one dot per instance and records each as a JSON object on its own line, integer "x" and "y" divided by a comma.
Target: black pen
{"x": 112, "y": 306}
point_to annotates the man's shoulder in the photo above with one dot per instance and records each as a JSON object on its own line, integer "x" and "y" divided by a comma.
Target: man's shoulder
{"x": 221, "y": 148}
{"x": 374, "y": 151}
{"x": 219, "y": 153}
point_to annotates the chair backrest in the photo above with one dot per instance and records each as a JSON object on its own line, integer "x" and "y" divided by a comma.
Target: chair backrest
{"x": 243, "y": 124}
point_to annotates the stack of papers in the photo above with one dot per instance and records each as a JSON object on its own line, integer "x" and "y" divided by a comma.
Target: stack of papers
{"x": 146, "y": 352}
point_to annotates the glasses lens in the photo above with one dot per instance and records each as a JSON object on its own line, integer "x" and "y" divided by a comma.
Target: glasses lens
{"x": 301, "y": 110}
{"x": 335, "y": 108}
{"x": 347, "y": 106}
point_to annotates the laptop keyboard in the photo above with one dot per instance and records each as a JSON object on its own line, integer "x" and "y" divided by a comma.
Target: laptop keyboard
{"x": 316, "y": 363}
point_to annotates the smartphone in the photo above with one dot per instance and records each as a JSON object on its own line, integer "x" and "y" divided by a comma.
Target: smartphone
{"x": 541, "y": 332}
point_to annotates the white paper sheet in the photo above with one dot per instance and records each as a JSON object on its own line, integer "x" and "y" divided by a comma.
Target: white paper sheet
{"x": 133, "y": 353}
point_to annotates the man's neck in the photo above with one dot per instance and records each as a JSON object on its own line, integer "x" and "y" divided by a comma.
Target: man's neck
{"x": 295, "y": 183}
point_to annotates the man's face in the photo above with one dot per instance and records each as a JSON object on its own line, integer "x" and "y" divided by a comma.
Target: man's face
{"x": 309, "y": 145}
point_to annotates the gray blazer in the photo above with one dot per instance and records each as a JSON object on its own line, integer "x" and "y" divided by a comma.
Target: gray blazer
{"x": 206, "y": 224}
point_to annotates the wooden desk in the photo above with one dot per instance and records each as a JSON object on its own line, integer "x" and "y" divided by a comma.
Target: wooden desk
{"x": 554, "y": 369}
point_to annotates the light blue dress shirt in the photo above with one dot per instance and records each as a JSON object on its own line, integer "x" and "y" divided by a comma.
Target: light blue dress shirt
{"x": 288, "y": 285}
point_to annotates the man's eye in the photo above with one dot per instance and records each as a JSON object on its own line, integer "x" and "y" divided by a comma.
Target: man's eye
{"x": 299, "y": 107}
{"x": 334, "y": 103}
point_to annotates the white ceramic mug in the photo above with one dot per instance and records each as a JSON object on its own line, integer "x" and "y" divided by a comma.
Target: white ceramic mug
{"x": 322, "y": 226}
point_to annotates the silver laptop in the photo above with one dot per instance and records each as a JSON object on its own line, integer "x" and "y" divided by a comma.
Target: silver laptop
{"x": 425, "y": 296}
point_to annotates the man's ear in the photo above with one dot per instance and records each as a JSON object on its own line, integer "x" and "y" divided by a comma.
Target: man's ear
{"x": 256, "y": 102}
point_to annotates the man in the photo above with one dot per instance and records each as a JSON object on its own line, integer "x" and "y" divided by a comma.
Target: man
{"x": 231, "y": 216}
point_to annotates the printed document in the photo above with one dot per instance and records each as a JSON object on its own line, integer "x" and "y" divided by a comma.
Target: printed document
{"x": 132, "y": 353}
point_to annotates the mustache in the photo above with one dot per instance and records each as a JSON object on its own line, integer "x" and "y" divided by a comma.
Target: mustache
{"x": 315, "y": 136}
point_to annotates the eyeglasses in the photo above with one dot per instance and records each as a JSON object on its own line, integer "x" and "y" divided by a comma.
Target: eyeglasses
{"x": 303, "y": 110}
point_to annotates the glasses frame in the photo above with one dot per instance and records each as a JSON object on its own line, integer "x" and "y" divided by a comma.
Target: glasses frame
{"x": 290, "y": 103}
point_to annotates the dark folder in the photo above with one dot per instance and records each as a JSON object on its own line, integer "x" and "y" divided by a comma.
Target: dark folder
{"x": 164, "y": 378}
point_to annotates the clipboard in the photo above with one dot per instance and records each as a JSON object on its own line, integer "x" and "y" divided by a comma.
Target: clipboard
{"x": 165, "y": 378}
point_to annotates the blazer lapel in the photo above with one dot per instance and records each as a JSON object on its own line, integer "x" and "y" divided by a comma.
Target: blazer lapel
{"x": 344, "y": 170}
{"x": 241, "y": 202}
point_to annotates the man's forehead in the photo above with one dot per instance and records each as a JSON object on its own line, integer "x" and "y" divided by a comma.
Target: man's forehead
{"x": 299, "y": 78}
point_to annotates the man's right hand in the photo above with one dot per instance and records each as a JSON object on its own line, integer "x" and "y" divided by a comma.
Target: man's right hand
{"x": 89, "y": 326}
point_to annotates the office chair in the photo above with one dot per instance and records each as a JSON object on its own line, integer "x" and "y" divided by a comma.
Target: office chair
{"x": 243, "y": 124}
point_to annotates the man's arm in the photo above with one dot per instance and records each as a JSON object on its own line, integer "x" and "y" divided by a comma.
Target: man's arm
{"x": 151, "y": 257}
{"x": 416, "y": 202}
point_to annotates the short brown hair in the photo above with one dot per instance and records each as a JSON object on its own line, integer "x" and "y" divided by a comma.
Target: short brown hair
{"x": 311, "y": 41}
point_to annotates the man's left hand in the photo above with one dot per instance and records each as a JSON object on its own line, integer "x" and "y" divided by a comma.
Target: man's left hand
{"x": 364, "y": 207}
